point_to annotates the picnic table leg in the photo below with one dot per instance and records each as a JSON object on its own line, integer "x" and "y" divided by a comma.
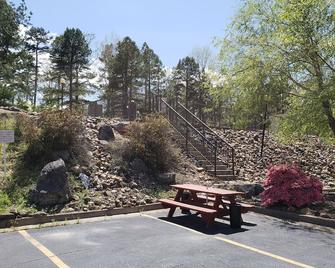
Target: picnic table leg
{"x": 177, "y": 198}
{"x": 184, "y": 197}
{"x": 235, "y": 215}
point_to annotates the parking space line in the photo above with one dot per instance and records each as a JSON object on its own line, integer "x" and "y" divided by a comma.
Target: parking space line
{"x": 57, "y": 261}
{"x": 262, "y": 252}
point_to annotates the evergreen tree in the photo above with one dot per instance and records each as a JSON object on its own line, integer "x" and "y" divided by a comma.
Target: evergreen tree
{"x": 36, "y": 42}
{"x": 70, "y": 56}
{"x": 187, "y": 81}
{"x": 152, "y": 73}
{"x": 12, "y": 54}
{"x": 109, "y": 79}
{"x": 127, "y": 70}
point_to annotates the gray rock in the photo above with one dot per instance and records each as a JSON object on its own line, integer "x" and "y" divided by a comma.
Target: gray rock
{"x": 106, "y": 133}
{"x": 250, "y": 189}
{"x": 166, "y": 178}
{"x": 52, "y": 186}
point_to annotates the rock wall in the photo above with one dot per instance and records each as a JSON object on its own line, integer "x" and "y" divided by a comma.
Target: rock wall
{"x": 314, "y": 156}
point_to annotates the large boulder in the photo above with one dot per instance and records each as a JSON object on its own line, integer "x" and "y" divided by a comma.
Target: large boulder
{"x": 52, "y": 186}
{"x": 249, "y": 189}
{"x": 106, "y": 133}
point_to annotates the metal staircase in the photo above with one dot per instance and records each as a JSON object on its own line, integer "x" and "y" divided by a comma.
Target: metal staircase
{"x": 198, "y": 140}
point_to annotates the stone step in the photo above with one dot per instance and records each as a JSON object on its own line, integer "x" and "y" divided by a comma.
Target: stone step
{"x": 226, "y": 177}
{"x": 209, "y": 167}
{"x": 206, "y": 163}
{"x": 221, "y": 172}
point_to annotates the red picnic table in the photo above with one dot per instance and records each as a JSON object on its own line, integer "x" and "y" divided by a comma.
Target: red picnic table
{"x": 209, "y": 202}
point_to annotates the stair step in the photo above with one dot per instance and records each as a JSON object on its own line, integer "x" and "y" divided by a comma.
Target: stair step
{"x": 218, "y": 162}
{"x": 226, "y": 177}
{"x": 209, "y": 167}
{"x": 221, "y": 172}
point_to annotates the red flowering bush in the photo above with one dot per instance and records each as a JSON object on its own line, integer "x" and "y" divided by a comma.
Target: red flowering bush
{"x": 289, "y": 185}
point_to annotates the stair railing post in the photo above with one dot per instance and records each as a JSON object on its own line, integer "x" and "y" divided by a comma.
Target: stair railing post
{"x": 233, "y": 160}
{"x": 203, "y": 141}
{"x": 153, "y": 102}
{"x": 186, "y": 138}
{"x": 215, "y": 156}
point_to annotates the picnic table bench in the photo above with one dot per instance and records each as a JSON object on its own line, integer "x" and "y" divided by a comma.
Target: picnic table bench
{"x": 208, "y": 202}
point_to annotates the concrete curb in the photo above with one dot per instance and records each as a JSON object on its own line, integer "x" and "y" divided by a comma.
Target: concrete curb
{"x": 7, "y": 222}
{"x": 295, "y": 217}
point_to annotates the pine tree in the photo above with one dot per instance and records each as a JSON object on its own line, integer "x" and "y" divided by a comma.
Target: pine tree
{"x": 70, "y": 56}
{"x": 127, "y": 69}
{"x": 12, "y": 54}
{"x": 187, "y": 81}
{"x": 152, "y": 73}
{"x": 36, "y": 42}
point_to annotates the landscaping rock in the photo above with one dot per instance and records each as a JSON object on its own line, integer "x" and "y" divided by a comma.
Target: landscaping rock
{"x": 52, "y": 186}
{"x": 250, "y": 189}
{"x": 106, "y": 133}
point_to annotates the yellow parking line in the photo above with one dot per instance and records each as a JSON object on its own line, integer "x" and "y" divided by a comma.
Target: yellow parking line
{"x": 299, "y": 264}
{"x": 57, "y": 261}
{"x": 274, "y": 256}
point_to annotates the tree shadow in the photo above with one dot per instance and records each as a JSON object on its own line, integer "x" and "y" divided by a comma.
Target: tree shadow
{"x": 195, "y": 222}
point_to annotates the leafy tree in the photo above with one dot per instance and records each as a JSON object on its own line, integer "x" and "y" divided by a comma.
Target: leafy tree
{"x": 70, "y": 56}
{"x": 291, "y": 45}
{"x": 36, "y": 42}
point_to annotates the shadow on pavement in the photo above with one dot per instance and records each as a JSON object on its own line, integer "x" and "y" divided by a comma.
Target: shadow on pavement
{"x": 196, "y": 223}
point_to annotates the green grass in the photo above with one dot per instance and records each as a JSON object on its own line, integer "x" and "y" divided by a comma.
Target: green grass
{"x": 162, "y": 192}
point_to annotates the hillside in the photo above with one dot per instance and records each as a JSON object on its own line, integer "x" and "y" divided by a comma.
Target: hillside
{"x": 312, "y": 154}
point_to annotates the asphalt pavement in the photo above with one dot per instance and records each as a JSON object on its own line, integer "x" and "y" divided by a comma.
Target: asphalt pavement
{"x": 149, "y": 239}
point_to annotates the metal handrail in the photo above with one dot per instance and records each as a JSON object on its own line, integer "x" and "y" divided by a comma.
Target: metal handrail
{"x": 188, "y": 123}
{"x": 204, "y": 124}
{"x": 213, "y": 148}
{"x": 212, "y": 133}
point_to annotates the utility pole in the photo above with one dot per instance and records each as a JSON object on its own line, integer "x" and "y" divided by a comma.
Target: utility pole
{"x": 264, "y": 127}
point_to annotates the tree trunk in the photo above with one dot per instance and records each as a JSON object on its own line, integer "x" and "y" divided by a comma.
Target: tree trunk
{"x": 328, "y": 111}
{"x": 145, "y": 94}
{"x": 125, "y": 98}
{"x": 71, "y": 88}
{"x": 149, "y": 90}
{"x": 36, "y": 74}
{"x": 77, "y": 85}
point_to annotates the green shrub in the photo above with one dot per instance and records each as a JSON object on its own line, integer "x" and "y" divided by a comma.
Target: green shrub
{"x": 4, "y": 201}
{"x": 52, "y": 131}
{"x": 149, "y": 141}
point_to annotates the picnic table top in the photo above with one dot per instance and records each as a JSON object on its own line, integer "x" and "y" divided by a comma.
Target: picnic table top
{"x": 205, "y": 189}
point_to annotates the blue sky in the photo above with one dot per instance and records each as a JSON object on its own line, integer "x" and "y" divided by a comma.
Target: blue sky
{"x": 172, "y": 27}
